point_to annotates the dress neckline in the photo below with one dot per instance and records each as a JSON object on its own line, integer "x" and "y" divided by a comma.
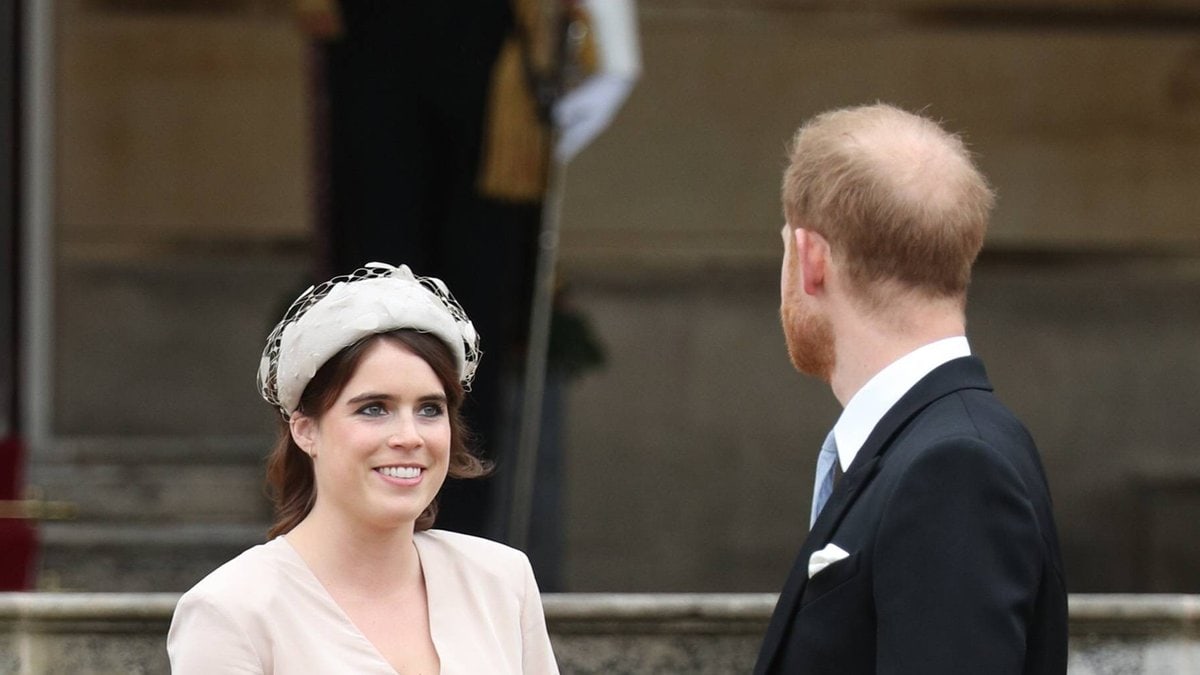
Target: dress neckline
{"x": 327, "y": 597}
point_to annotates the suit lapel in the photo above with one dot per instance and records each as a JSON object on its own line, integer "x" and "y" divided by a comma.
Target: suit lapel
{"x": 843, "y": 496}
{"x": 956, "y": 375}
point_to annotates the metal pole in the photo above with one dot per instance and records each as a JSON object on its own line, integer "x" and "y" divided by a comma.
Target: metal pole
{"x": 525, "y": 468}
{"x": 8, "y": 225}
{"x": 37, "y": 226}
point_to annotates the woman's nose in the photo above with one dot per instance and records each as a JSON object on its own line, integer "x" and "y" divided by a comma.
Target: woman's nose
{"x": 404, "y": 434}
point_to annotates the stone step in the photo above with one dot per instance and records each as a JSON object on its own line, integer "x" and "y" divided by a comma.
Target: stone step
{"x": 112, "y": 557}
{"x": 167, "y": 493}
{"x": 147, "y": 514}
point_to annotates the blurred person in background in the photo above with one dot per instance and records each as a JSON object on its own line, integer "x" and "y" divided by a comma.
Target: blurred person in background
{"x": 437, "y": 126}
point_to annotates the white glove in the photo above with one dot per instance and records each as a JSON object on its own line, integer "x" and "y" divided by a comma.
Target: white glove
{"x": 586, "y": 111}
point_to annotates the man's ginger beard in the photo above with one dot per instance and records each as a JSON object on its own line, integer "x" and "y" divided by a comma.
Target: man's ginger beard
{"x": 809, "y": 341}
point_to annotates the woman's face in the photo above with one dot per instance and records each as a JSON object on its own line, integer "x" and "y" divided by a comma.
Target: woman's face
{"x": 381, "y": 451}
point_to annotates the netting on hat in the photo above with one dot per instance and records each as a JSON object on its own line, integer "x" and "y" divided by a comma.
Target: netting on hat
{"x": 428, "y": 292}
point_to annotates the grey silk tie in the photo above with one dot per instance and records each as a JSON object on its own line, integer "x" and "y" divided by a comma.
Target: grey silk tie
{"x": 827, "y": 464}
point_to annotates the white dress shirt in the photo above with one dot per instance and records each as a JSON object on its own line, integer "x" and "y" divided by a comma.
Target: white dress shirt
{"x": 881, "y": 392}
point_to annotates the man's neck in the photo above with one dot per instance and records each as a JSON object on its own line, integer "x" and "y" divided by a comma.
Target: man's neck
{"x": 866, "y": 344}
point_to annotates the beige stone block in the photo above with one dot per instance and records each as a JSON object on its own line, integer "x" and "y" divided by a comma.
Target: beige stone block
{"x": 180, "y": 127}
{"x": 1091, "y": 134}
{"x": 706, "y": 438}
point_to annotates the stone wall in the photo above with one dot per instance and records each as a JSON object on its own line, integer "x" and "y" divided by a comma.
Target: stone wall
{"x": 697, "y": 443}
{"x": 184, "y": 225}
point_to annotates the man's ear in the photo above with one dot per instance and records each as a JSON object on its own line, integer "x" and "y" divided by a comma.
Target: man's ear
{"x": 813, "y": 252}
{"x": 304, "y": 432}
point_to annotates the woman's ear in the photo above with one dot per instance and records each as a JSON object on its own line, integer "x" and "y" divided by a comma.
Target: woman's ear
{"x": 304, "y": 432}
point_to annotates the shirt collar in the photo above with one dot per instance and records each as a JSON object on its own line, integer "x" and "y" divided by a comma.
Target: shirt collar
{"x": 870, "y": 403}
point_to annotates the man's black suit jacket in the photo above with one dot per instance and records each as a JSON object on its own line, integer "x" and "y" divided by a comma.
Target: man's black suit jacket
{"x": 954, "y": 562}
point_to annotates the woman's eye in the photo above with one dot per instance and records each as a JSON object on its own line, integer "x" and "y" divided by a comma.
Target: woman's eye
{"x": 372, "y": 410}
{"x": 431, "y": 410}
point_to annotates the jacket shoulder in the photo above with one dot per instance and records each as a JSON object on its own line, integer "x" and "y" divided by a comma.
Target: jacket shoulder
{"x": 252, "y": 574}
{"x": 474, "y": 552}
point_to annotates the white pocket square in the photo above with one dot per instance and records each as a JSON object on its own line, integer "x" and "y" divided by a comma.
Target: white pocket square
{"x": 824, "y": 558}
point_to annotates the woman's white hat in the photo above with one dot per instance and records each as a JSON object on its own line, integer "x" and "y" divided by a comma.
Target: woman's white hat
{"x": 376, "y": 298}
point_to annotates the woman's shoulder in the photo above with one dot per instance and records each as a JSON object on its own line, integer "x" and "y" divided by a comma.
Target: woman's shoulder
{"x": 469, "y": 548}
{"x": 469, "y": 545}
{"x": 247, "y": 578}
{"x": 469, "y": 567}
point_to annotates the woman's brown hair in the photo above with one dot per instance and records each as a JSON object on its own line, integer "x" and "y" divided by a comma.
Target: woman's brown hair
{"x": 290, "y": 480}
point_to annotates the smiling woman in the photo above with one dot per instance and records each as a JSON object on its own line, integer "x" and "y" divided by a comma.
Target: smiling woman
{"x": 391, "y": 419}
{"x": 368, "y": 371}
{"x": 290, "y": 468}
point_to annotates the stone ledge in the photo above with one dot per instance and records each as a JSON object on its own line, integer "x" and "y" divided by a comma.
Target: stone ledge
{"x": 579, "y": 610}
{"x": 657, "y": 614}
{"x": 615, "y": 634}
{"x": 1134, "y": 615}
{"x": 66, "y": 607}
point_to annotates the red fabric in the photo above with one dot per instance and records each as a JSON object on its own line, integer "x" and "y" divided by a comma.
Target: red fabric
{"x": 18, "y": 551}
{"x": 18, "y": 536}
{"x": 12, "y": 460}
